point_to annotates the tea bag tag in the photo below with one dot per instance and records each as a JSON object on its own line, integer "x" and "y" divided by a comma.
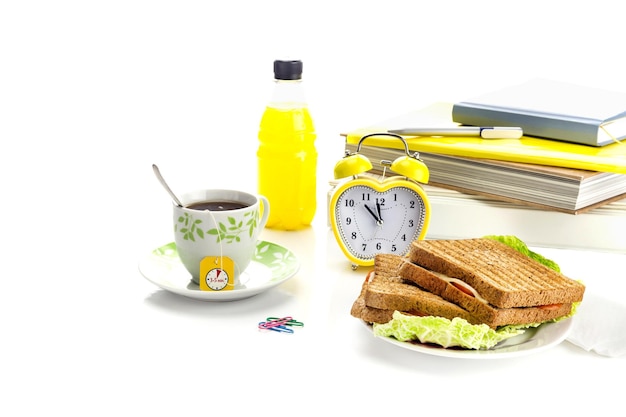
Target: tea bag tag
{"x": 217, "y": 273}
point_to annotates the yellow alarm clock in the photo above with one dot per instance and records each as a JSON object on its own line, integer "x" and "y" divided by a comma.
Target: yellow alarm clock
{"x": 372, "y": 215}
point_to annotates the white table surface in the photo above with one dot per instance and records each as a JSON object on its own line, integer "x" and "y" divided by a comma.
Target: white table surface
{"x": 93, "y": 95}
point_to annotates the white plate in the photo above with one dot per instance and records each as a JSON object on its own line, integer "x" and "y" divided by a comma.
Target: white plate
{"x": 531, "y": 341}
{"x": 271, "y": 266}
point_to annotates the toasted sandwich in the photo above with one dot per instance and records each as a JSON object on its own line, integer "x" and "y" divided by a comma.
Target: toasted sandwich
{"x": 482, "y": 281}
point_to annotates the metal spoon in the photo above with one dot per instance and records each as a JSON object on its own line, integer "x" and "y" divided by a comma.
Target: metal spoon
{"x": 164, "y": 184}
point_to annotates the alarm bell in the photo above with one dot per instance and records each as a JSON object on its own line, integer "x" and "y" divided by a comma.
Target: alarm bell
{"x": 409, "y": 166}
{"x": 352, "y": 164}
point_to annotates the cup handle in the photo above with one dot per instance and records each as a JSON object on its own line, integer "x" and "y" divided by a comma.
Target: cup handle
{"x": 266, "y": 212}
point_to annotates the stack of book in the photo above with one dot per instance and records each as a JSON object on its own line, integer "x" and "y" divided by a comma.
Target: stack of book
{"x": 545, "y": 170}
{"x": 574, "y": 163}
{"x": 547, "y": 187}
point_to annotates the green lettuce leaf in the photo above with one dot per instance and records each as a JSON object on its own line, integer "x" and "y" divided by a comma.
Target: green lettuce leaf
{"x": 441, "y": 331}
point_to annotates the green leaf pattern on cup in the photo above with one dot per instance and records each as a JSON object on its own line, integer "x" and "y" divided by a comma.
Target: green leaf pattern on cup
{"x": 225, "y": 232}
{"x": 189, "y": 227}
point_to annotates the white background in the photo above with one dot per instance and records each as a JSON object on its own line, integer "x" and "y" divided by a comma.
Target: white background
{"x": 86, "y": 84}
{"x": 188, "y": 80}
{"x": 93, "y": 92}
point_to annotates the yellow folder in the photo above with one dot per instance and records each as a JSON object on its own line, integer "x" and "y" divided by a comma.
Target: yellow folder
{"x": 609, "y": 158}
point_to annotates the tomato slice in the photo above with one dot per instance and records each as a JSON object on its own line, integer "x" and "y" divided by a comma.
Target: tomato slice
{"x": 550, "y": 306}
{"x": 462, "y": 288}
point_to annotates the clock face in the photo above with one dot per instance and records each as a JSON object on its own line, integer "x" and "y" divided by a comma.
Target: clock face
{"x": 368, "y": 220}
{"x": 217, "y": 279}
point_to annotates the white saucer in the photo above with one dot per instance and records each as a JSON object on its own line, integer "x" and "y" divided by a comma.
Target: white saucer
{"x": 271, "y": 266}
{"x": 533, "y": 340}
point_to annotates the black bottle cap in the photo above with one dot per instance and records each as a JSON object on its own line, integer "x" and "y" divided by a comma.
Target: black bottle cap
{"x": 287, "y": 70}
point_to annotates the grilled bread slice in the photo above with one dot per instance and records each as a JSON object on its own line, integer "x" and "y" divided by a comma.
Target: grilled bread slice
{"x": 481, "y": 311}
{"x": 396, "y": 283}
{"x": 370, "y": 314}
{"x": 384, "y": 292}
{"x": 500, "y": 274}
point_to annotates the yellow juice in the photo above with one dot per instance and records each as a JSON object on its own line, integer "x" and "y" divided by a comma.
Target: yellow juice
{"x": 287, "y": 163}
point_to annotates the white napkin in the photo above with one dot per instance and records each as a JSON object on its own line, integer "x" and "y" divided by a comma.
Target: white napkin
{"x": 600, "y": 326}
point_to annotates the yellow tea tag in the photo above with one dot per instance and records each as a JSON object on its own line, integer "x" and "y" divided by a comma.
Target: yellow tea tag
{"x": 217, "y": 273}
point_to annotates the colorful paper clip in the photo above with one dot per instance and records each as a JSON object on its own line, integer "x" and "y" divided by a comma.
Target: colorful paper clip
{"x": 280, "y": 324}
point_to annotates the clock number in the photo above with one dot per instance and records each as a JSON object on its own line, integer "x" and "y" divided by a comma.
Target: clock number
{"x": 353, "y": 235}
{"x": 412, "y": 204}
{"x": 366, "y": 197}
{"x": 364, "y": 246}
{"x": 350, "y": 203}
{"x": 403, "y": 237}
{"x": 348, "y": 220}
{"x": 410, "y": 223}
{"x": 393, "y": 248}
{"x": 379, "y": 246}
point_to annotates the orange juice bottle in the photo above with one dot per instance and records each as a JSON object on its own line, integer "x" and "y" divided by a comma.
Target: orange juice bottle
{"x": 287, "y": 158}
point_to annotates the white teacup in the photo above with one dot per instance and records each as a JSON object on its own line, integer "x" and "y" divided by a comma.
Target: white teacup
{"x": 228, "y": 225}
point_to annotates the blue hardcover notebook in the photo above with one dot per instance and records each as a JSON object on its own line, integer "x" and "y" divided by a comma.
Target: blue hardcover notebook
{"x": 552, "y": 110}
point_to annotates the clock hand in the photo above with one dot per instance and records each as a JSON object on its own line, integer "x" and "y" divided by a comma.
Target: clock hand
{"x": 380, "y": 217}
{"x": 371, "y": 212}
{"x": 379, "y": 221}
